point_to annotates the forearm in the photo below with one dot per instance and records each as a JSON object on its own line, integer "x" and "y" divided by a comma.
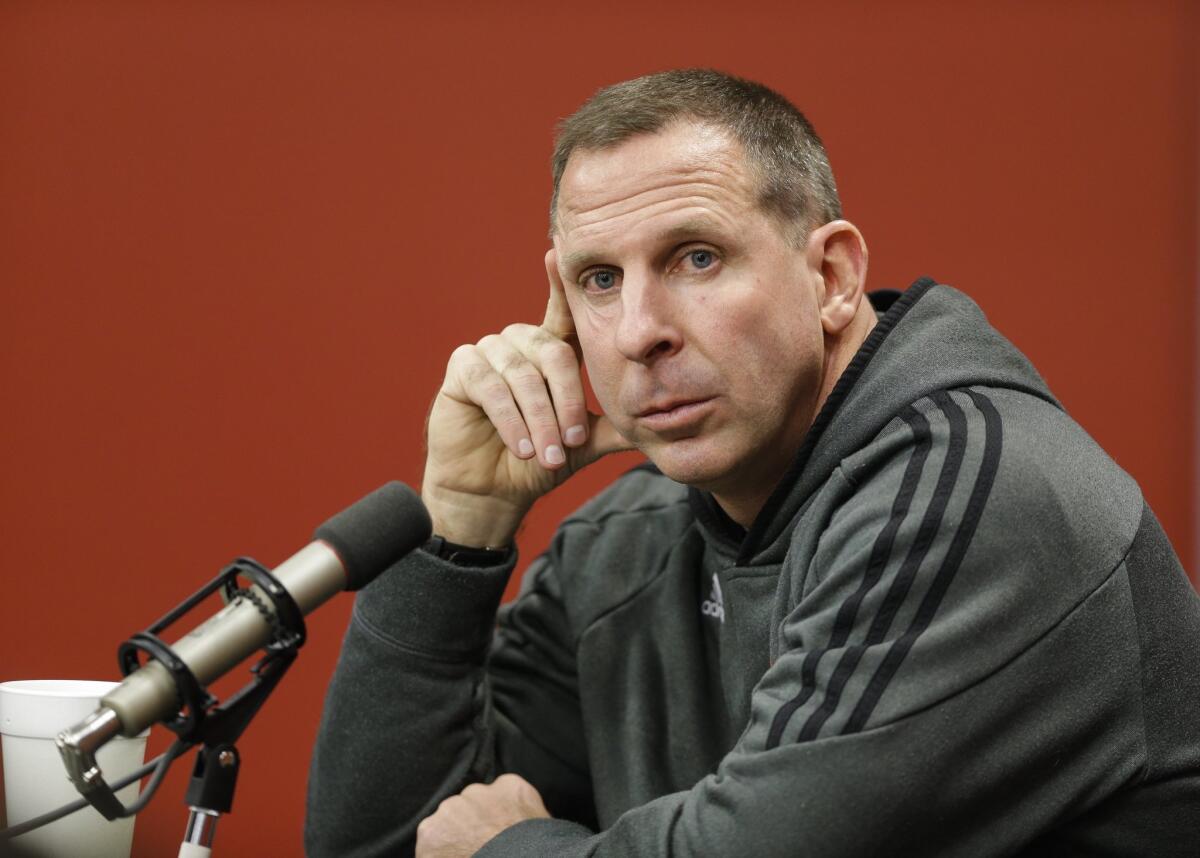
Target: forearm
{"x": 939, "y": 781}
{"x": 402, "y": 722}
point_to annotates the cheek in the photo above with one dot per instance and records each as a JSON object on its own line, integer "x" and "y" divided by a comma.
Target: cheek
{"x": 767, "y": 349}
{"x": 601, "y": 374}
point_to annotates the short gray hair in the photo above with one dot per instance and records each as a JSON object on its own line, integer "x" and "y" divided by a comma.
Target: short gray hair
{"x": 795, "y": 180}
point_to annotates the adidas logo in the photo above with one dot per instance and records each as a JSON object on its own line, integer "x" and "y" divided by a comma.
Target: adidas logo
{"x": 714, "y": 605}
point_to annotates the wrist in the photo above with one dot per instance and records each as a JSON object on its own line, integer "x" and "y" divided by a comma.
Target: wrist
{"x": 465, "y": 555}
{"x": 471, "y": 521}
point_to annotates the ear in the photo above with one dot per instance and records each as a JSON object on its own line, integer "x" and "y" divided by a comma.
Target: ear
{"x": 837, "y": 254}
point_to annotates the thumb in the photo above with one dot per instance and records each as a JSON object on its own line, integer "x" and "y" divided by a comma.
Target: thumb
{"x": 558, "y": 319}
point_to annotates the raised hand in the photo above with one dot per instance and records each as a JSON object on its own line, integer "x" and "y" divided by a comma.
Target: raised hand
{"x": 508, "y": 425}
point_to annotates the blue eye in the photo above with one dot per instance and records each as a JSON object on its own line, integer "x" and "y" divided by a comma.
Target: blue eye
{"x": 701, "y": 258}
{"x": 604, "y": 279}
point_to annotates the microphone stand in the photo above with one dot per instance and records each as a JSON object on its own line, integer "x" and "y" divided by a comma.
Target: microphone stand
{"x": 363, "y": 532}
{"x": 200, "y": 719}
{"x": 214, "y": 775}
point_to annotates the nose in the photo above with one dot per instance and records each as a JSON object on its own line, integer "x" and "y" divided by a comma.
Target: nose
{"x": 647, "y": 330}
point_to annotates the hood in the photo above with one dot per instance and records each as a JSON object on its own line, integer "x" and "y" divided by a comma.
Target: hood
{"x": 929, "y": 338}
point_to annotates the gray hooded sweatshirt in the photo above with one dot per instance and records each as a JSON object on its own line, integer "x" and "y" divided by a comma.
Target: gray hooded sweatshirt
{"x": 954, "y": 629}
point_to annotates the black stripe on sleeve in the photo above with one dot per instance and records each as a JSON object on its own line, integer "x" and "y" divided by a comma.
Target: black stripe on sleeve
{"x": 902, "y": 583}
{"x": 880, "y": 551}
{"x": 993, "y": 442}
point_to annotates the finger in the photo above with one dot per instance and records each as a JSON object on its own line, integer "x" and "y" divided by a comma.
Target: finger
{"x": 528, "y": 387}
{"x": 426, "y": 834}
{"x": 533, "y": 801}
{"x": 566, "y": 386}
{"x": 473, "y": 791}
{"x": 523, "y": 792}
{"x": 603, "y": 438}
{"x": 559, "y": 365}
{"x": 472, "y": 379}
{"x": 558, "y": 319}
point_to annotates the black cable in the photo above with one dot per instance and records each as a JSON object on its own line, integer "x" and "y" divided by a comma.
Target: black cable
{"x": 159, "y": 765}
{"x": 178, "y": 748}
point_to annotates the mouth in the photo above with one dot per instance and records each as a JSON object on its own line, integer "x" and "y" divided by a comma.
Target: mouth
{"x": 674, "y": 415}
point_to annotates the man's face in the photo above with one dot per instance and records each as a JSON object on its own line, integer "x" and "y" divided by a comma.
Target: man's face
{"x": 698, "y": 318}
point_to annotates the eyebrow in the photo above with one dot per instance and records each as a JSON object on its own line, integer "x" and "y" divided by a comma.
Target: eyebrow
{"x": 580, "y": 260}
{"x": 689, "y": 229}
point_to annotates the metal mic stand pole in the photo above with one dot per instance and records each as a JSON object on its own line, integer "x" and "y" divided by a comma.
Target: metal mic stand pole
{"x": 214, "y": 775}
{"x": 209, "y": 795}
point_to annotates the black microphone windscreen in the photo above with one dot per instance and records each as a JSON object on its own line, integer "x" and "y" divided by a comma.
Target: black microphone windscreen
{"x": 376, "y": 531}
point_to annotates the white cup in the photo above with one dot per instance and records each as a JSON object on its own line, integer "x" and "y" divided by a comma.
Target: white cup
{"x": 32, "y": 713}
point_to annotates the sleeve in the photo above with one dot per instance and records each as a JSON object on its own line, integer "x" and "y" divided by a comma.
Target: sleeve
{"x": 417, "y": 709}
{"x": 928, "y": 694}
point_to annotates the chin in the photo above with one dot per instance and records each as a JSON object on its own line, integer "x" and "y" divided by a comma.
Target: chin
{"x": 694, "y": 464}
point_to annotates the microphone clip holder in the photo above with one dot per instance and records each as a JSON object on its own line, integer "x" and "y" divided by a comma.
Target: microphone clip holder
{"x": 288, "y": 635}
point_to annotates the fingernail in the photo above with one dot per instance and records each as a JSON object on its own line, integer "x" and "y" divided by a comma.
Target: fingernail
{"x": 574, "y": 435}
{"x": 525, "y": 447}
{"x": 554, "y": 455}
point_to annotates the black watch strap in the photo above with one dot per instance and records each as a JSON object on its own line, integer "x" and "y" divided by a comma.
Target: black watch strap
{"x": 466, "y": 555}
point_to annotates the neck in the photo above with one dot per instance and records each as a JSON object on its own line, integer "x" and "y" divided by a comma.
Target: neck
{"x": 744, "y": 503}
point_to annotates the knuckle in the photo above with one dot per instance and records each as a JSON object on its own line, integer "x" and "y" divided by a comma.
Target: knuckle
{"x": 517, "y": 331}
{"x": 510, "y": 421}
{"x": 527, "y": 380}
{"x": 461, "y": 354}
{"x": 431, "y": 835}
{"x": 515, "y": 363}
{"x": 555, "y": 352}
{"x": 540, "y": 413}
{"x": 495, "y": 390}
{"x": 569, "y": 401}
{"x": 501, "y": 409}
{"x": 475, "y": 371}
{"x": 508, "y": 779}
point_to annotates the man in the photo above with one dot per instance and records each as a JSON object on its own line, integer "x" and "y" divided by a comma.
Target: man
{"x": 875, "y": 592}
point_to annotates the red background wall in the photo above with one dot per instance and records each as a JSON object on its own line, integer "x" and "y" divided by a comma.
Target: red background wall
{"x": 238, "y": 242}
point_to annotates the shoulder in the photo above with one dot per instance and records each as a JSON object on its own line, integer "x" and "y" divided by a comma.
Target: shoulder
{"x": 1040, "y": 482}
{"x": 976, "y": 526}
{"x": 1014, "y": 467}
{"x": 993, "y": 501}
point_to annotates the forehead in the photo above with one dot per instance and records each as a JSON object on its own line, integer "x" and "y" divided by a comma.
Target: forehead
{"x": 685, "y": 173}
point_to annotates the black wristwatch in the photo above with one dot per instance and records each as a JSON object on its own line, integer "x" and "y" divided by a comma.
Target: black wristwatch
{"x": 466, "y": 555}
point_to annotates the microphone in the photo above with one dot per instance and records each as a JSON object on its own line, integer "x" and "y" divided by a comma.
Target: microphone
{"x": 348, "y": 552}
